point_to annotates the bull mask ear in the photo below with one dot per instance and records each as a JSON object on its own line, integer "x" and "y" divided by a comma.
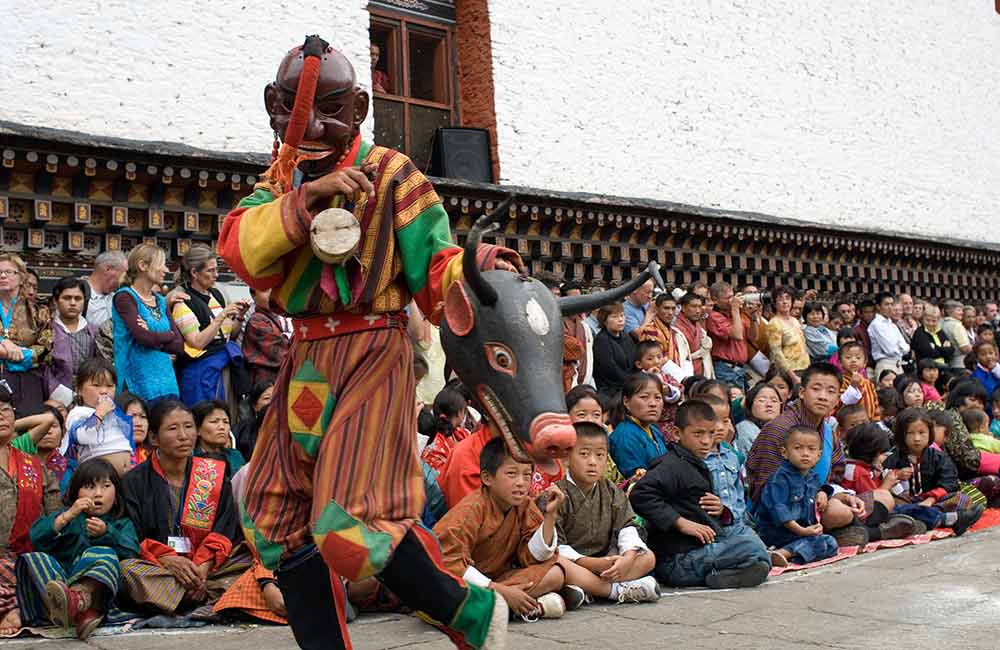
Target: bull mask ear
{"x": 571, "y": 305}
{"x": 486, "y": 294}
{"x": 458, "y": 311}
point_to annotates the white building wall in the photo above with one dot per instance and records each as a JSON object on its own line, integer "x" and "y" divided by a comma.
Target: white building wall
{"x": 185, "y": 71}
{"x": 879, "y": 115}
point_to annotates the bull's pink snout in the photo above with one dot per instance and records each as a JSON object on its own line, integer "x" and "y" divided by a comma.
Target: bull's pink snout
{"x": 552, "y": 436}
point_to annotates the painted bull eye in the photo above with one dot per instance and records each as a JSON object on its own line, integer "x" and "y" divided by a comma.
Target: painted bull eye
{"x": 501, "y": 358}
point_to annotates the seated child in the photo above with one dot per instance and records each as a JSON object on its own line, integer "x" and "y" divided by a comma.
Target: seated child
{"x": 726, "y": 467}
{"x": 497, "y": 538}
{"x": 854, "y": 386}
{"x": 72, "y": 577}
{"x": 597, "y": 528}
{"x": 443, "y": 427}
{"x": 867, "y": 449}
{"x": 850, "y": 416}
{"x": 929, "y": 373}
{"x": 887, "y": 378}
{"x": 584, "y": 404}
{"x": 910, "y": 391}
{"x": 695, "y": 542}
{"x": 889, "y": 405}
{"x": 649, "y": 359}
{"x": 925, "y": 475}
{"x": 978, "y": 424}
{"x": 96, "y": 428}
{"x": 636, "y": 440}
{"x": 987, "y": 370}
{"x": 787, "y": 511}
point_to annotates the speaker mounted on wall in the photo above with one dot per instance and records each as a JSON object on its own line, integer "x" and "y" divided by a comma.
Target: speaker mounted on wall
{"x": 463, "y": 154}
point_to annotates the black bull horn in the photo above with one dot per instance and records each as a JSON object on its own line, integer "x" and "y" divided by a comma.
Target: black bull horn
{"x": 503, "y": 336}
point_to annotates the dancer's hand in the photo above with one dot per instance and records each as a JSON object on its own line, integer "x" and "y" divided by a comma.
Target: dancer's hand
{"x": 349, "y": 181}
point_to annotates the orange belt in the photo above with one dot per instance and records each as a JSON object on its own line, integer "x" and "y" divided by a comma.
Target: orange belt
{"x": 325, "y": 326}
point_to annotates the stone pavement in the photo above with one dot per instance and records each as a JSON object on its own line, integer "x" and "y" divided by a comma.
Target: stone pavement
{"x": 943, "y": 594}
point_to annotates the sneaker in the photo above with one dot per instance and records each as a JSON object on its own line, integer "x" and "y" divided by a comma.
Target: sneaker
{"x": 87, "y": 622}
{"x": 573, "y": 596}
{"x": 643, "y": 590}
{"x": 64, "y": 603}
{"x": 496, "y": 634}
{"x": 777, "y": 559}
{"x": 920, "y": 528}
{"x": 966, "y": 518}
{"x": 852, "y": 535}
{"x": 897, "y": 527}
{"x": 750, "y": 576}
{"x": 550, "y": 605}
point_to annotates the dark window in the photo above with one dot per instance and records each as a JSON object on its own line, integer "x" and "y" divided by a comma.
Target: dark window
{"x": 414, "y": 82}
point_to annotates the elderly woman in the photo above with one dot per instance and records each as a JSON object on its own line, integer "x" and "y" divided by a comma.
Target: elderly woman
{"x": 73, "y": 338}
{"x": 785, "y": 335}
{"x": 209, "y": 326}
{"x": 144, "y": 334}
{"x": 27, "y": 491}
{"x": 929, "y": 341}
{"x": 187, "y": 522}
{"x": 26, "y": 337}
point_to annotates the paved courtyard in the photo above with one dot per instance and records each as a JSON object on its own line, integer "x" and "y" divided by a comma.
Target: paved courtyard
{"x": 943, "y": 594}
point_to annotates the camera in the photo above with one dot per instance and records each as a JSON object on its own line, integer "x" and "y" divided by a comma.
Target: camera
{"x": 759, "y": 297}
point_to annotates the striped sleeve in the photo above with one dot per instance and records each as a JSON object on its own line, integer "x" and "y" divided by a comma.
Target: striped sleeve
{"x": 431, "y": 260}
{"x": 185, "y": 319}
{"x": 260, "y": 232}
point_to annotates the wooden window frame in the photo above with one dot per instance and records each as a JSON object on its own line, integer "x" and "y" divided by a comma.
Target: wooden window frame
{"x": 401, "y": 24}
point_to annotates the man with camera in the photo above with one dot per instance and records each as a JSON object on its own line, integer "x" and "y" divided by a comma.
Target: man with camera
{"x": 730, "y": 330}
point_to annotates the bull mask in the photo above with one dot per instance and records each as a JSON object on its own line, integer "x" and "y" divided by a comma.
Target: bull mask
{"x": 502, "y": 335}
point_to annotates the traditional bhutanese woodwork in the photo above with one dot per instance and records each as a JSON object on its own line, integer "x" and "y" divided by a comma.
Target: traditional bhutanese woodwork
{"x": 66, "y": 197}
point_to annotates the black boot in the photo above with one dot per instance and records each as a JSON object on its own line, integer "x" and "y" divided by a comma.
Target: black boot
{"x": 309, "y": 600}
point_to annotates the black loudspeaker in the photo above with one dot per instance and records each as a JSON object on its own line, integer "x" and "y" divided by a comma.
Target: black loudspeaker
{"x": 463, "y": 154}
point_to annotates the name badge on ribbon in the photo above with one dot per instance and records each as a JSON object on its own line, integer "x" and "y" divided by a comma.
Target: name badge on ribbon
{"x": 181, "y": 545}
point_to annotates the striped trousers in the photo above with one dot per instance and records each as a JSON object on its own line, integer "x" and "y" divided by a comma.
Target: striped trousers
{"x": 336, "y": 467}
{"x": 35, "y": 570}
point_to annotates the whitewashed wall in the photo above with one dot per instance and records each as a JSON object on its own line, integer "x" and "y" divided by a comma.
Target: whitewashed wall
{"x": 179, "y": 70}
{"x": 881, "y": 115}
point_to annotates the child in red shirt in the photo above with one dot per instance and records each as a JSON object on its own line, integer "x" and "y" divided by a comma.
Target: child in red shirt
{"x": 867, "y": 447}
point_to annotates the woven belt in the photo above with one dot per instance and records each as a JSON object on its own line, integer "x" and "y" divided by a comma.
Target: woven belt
{"x": 325, "y": 326}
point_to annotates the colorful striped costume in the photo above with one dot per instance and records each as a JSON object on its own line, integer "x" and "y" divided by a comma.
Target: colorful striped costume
{"x": 336, "y": 459}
